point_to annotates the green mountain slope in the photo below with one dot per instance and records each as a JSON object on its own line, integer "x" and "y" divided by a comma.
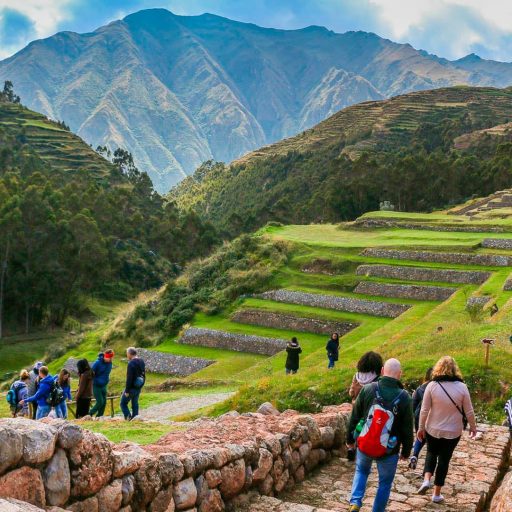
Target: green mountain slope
{"x": 178, "y": 90}
{"x": 401, "y": 150}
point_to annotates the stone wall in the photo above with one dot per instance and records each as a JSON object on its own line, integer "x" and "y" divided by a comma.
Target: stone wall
{"x": 349, "y": 304}
{"x": 497, "y": 243}
{"x": 291, "y": 322}
{"x": 232, "y": 341}
{"x": 208, "y": 468}
{"x": 508, "y": 284}
{"x": 405, "y": 291}
{"x": 478, "y": 301}
{"x": 492, "y": 260}
{"x": 169, "y": 364}
{"x": 424, "y": 274}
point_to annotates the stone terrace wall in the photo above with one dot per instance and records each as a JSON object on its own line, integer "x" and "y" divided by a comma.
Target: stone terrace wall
{"x": 169, "y": 364}
{"x": 424, "y": 274}
{"x": 405, "y": 291}
{"x": 351, "y": 305}
{"x": 291, "y": 322}
{"x": 492, "y": 260}
{"x": 508, "y": 284}
{"x": 497, "y": 243}
{"x": 232, "y": 341}
{"x": 208, "y": 468}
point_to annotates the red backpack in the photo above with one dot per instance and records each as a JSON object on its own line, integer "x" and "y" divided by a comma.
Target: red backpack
{"x": 373, "y": 440}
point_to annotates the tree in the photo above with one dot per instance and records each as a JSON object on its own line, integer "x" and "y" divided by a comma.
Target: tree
{"x": 8, "y": 93}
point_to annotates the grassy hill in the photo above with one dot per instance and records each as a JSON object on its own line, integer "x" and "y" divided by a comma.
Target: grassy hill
{"x": 63, "y": 151}
{"x": 334, "y": 261}
{"x": 401, "y": 150}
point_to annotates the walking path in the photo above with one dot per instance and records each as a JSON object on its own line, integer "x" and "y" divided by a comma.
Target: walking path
{"x": 165, "y": 411}
{"x": 473, "y": 475}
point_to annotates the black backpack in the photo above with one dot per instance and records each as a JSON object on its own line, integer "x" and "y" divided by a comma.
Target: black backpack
{"x": 56, "y": 395}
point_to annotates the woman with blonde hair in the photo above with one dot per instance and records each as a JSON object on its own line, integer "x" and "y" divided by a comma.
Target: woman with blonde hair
{"x": 445, "y": 410}
{"x": 19, "y": 392}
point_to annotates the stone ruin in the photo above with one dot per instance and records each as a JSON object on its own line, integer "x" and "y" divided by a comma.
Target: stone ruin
{"x": 236, "y": 462}
{"x": 211, "y": 467}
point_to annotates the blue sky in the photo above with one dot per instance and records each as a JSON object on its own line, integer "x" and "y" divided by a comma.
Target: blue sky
{"x": 448, "y": 28}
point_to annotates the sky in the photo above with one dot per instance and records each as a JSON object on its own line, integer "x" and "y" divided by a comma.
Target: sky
{"x": 447, "y": 28}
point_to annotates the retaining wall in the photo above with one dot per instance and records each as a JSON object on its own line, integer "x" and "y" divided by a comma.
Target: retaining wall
{"x": 383, "y": 223}
{"x": 424, "y": 274}
{"x": 405, "y": 291}
{"x": 232, "y": 341}
{"x": 492, "y": 260}
{"x": 291, "y": 322}
{"x": 208, "y": 468}
{"x": 348, "y": 304}
{"x": 478, "y": 301}
{"x": 169, "y": 364}
{"x": 508, "y": 284}
{"x": 497, "y": 243}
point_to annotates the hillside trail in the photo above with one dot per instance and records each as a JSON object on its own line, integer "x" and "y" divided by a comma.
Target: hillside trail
{"x": 475, "y": 471}
{"x": 163, "y": 412}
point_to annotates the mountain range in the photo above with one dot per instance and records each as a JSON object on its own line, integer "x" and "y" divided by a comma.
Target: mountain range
{"x": 179, "y": 90}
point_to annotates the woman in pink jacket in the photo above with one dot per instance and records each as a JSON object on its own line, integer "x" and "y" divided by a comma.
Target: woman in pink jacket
{"x": 445, "y": 409}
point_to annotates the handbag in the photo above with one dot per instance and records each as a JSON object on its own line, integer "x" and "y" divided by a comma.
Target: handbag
{"x": 464, "y": 419}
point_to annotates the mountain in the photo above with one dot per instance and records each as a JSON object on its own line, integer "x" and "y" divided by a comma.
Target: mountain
{"x": 73, "y": 225}
{"x": 404, "y": 150}
{"x": 179, "y": 90}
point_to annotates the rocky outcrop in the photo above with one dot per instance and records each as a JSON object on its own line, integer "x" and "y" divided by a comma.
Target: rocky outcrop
{"x": 232, "y": 341}
{"x": 424, "y": 274}
{"x": 291, "y": 322}
{"x": 205, "y": 469}
{"x": 463, "y": 258}
{"x": 348, "y": 304}
{"x": 405, "y": 291}
{"x": 497, "y": 243}
{"x": 502, "y": 501}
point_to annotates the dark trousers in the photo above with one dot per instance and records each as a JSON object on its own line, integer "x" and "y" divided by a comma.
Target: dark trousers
{"x": 439, "y": 454}
{"x": 82, "y": 407}
{"x": 100, "y": 394}
{"x": 134, "y": 399}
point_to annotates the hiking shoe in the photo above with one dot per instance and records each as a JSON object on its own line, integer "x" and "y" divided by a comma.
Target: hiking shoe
{"x": 354, "y": 508}
{"x": 438, "y": 499}
{"x": 425, "y": 486}
{"x": 413, "y": 461}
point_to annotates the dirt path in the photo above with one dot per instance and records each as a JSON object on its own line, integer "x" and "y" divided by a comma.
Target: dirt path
{"x": 162, "y": 412}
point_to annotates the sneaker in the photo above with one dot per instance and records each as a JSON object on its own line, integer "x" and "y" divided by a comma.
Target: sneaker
{"x": 438, "y": 499}
{"x": 425, "y": 486}
{"x": 354, "y": 508}
{"x": 413, "y": 461}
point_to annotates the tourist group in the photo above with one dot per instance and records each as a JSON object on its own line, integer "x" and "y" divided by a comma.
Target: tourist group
{"x": 384, "y": 417}
{"x": 37, "y": 394}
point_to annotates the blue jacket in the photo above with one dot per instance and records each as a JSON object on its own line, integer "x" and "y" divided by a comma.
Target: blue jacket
{"x": 101, "y": 371}
{"x": 66, "y": 388}
{"x": 43, "y": 392}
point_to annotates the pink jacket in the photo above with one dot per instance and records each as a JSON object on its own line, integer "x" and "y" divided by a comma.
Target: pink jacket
{"x": 439, "y": 416}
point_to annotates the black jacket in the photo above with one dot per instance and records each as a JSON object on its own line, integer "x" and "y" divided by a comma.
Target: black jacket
{"x": 136, "y": 368}
{"x": 333, "y": 348}
{"x": 292, "y": 358}
{"x": 402, "y": 426}
{"x": 417, "y": 399}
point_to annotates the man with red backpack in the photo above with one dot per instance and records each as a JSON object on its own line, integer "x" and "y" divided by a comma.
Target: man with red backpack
{"x": 381, "y": 425}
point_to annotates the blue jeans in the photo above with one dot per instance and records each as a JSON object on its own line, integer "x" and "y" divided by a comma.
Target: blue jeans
{"x": 332, "y": 361}
{"x": 134, "y": 399}
{"x": 42, "y": 411}
{"x": 386, "y": 466}
{"x": 62, "y": 410}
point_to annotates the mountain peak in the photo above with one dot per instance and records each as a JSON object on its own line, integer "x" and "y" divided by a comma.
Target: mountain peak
{"x": 472, "y": 57}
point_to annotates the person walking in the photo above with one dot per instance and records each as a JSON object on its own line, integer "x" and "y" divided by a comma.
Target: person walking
{"x": 369, "y": 368}
{"x": 445, "y": 409}
{"x": 135, "y": 380}
{"x": 101, "y": 369}
{"x": 32, "y": 386}
{"x": 293, "y": 352}
{"x": 42, "y": 396}
{"x": 64, "y": 381}
{"x": 417, "y": 400}
{"x": 84, "y": 393}
{"x": 333, "y": 349}
{"x": 17, "y": 393}
{"x": 385, "y": 409}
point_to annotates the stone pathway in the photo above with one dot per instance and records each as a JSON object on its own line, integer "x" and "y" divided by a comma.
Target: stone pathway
{"x": 162, "y": 412}
{"x": 473, "y": 474}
